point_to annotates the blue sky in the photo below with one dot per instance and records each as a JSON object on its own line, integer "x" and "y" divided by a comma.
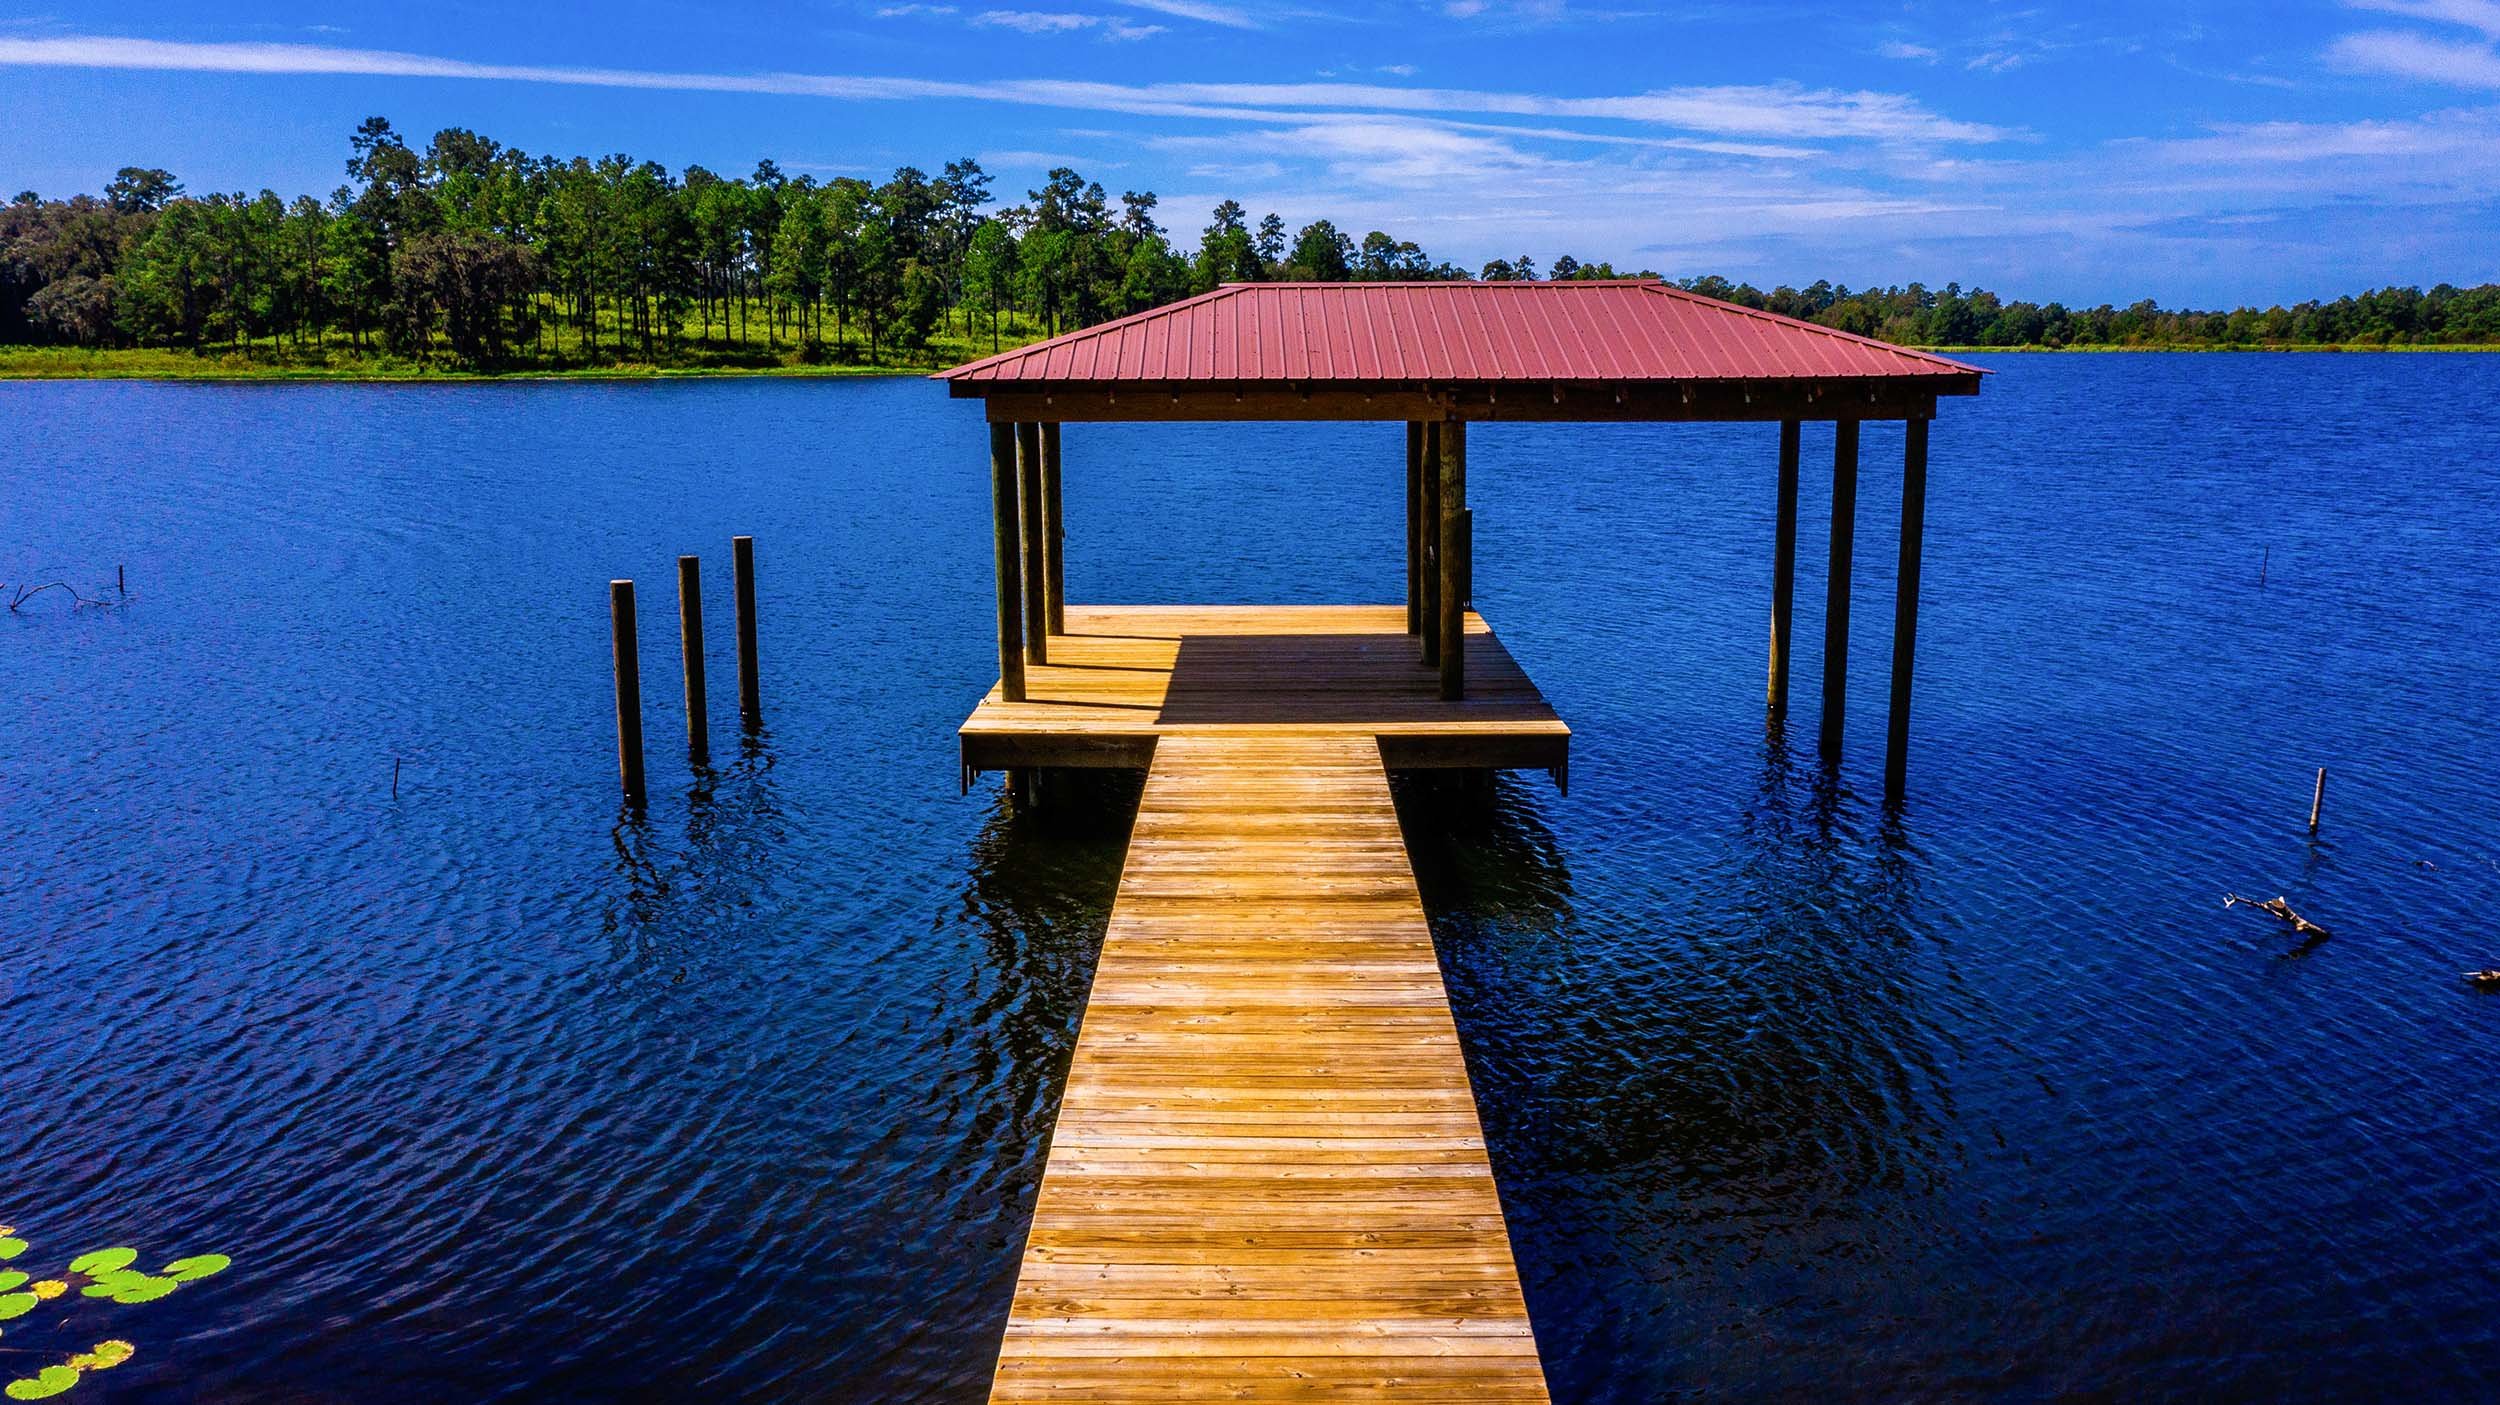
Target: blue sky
{"x": 2191, "y": 151}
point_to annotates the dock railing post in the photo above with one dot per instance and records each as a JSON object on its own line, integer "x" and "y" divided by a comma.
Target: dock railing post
{"x": 1836, "y": 585}
{"x": 1009, "y": 557}
{"x": 1905, "y": 611}
{"x": 1454, "y": 572}
{"x": 1036, "y": 572}
{"x": 750, "y": 682}
{"x": 1784, "y": 564}
{"x": 1055, "y": 561}
{"x": 690, "y": 637}
{"x": 628, "y": 691}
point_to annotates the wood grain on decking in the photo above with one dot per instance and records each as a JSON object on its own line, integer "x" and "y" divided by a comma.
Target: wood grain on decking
{"x": 1267, "y": 1180}
{"x": 1123, "y": 675}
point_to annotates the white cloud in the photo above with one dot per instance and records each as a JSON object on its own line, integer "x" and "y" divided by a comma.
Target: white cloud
{"x": 2413, "y": 56}
{"x": 1035, "y": 21}
{"x": 2472, "y": 14}
{"x": 1915, "y": 53}
{"x": 1199, "y": 10}
{"x": 1778, "y": 112}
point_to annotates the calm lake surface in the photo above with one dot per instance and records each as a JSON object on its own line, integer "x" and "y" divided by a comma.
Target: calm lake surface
{"x": 492, "y": 1095}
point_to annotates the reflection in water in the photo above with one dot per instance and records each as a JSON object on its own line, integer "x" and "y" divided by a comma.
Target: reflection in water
{"x": 671, "y": 897}
{"x": 1037, "y": 898}
{"x": 1719, "y": 1110}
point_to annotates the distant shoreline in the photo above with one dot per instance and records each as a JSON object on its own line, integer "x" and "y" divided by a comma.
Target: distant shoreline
{"x": 66, "y": 364}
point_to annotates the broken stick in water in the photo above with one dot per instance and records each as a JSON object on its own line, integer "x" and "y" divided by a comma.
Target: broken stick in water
{"x": 2277, "y": 908}
{"x": 2483, "y": 980}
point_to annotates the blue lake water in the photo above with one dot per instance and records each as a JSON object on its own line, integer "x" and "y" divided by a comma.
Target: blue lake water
{"x": 491, "y": 1094}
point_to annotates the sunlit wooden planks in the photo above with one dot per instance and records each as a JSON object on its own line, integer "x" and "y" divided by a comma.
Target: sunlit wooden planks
{"x": 1122, "y": 676}
{"x": 1267, "y": 1180}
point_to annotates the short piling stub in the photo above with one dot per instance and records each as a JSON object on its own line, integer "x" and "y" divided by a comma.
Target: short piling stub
{"x": 2317, "y": 800}
{"x": 628, "y": 691}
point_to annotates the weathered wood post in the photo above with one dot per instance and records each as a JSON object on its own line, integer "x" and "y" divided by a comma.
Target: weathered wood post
{"x": 1414, "y": 527}
{"x": 1836, "y": 585}
{"x": 1005, "y": 549}
{"x": 1454, "y": 572}
{"x": 742, "y": 584}
{"x": 1036, "y": 574}
{"x": 628, "y": 691}
{"x": 690, "y": 638}
{"x": 1055, "y": 572}
{"x": 1428, "y": 530}
{"x": 2317, "y": 800}
{"x": 1784, "y": 563}
{"x": 1905, "y": 610}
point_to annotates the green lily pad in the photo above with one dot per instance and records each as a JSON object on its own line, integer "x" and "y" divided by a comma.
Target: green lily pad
{"x": 104, "y": 1261}
{"x": 146, "y": 1290}
{"x": 44, "y": 1384}
{"x": 11, "y": 1246}
{"x": 197, "y": 1266}
{"x": 10, "y": 1279}
{"x": 16, "y": 1305}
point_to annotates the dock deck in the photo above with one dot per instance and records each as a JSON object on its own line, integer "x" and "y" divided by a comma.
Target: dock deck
{"x": 1267, "y": 1180}
{"x": 1121, "y": 676}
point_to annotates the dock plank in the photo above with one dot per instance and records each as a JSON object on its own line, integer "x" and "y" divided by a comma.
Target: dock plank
{"x": 1267, "y": 1179}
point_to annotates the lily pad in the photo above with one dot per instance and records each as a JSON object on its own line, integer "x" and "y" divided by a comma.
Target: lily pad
{"x": 197, "y": 1266}
{"x": 16, "y": 1305}
{"x": 11, "y": 1246}
{"x": 44, "y": 1384}
{"x": 109, "y": 1354}
{"x": 104, "y": 1261}
{"x": 146, "y": 1290}
{"x": 46, "y": 1289}
{"x": 10, "y": 1279}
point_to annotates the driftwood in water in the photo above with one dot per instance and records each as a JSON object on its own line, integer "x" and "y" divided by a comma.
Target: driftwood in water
{"x": 2483, "y": 980}
{"x": 2280, "y": 909}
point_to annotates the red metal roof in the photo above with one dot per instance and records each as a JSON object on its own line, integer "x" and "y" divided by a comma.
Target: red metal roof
{"x": 1371, "y": 333}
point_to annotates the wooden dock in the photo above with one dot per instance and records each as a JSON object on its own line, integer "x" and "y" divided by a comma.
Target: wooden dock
{"x": 1119, "y": 677}
{"x": 1267, "y": 1180}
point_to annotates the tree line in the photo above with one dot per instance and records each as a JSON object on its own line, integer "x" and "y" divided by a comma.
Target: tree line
{"x": 479, "y": 253}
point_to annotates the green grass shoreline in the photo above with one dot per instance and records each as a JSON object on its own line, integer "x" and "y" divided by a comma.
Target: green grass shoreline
{"x": 70, "y": 363}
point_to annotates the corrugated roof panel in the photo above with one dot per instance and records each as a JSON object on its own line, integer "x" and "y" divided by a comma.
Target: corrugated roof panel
{"x": 1369, "y": 333}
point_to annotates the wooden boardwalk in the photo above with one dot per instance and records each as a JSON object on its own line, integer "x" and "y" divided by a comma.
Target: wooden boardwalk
{"x": 1267, "y": 1180}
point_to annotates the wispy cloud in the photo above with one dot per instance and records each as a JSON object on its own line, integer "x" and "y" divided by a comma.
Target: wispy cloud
{"x": 1200, "y": 10}
{"x": 1057, "y": 22}
{"x": 2483, "y": 15}
{"x": 1776, "y": 112}
{"x": 1914, "y": 53}
{"x": 2402, "y": 54}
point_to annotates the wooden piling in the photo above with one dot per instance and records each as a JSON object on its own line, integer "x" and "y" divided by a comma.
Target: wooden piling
{"x": 2317, "y": 800}
{"x": 1036, "y": 576}
{"x": 1454, "y": 572}
{"x": 1428, "y": 529}
{"x": 690, "y": 640}
{"x": 1905, "y": 610}
{"x": 1008, "y": 554}
{"x": 750, "y": 682}
{"x": 628, "y": 691}
{"x": 1836, "y": 585}
{"x": 1784, "y": 564}
{"x": 1414, "y": 527}
{"x": 1055, "y": 563}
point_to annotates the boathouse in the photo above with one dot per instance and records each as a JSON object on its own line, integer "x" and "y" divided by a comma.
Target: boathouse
{"x": 1267, "y": 1177}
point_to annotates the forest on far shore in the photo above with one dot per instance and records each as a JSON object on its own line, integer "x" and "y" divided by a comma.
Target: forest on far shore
{"x": 471, "y": 254}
